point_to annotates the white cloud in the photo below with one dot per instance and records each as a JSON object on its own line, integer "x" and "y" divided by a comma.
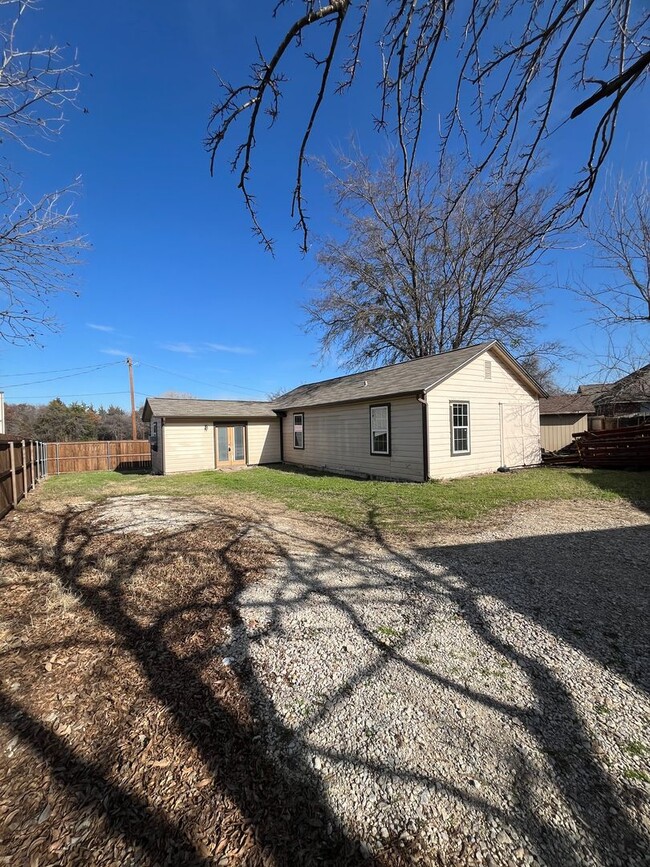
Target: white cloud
{"x": 236, "y": 350}
{"x": 119, "y": 352}
{"x": 179, "y": 347}
{"x": 95, "y": 327}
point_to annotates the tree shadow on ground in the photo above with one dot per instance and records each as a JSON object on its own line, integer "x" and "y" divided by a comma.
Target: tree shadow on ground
{"x": 154, "y": 606}
{"x": 281, "y": 815}
{"x": 631, "y": 485}
{"x": 572, "y": 586}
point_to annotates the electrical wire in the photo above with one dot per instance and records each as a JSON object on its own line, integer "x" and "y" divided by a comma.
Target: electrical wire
{"x": 200, "y": 381}
{"x": 62, "y": 370}
{"x": 67, "y": 376}
{"x": 24, "y": 397}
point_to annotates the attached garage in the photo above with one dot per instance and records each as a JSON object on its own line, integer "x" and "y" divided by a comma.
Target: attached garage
{"x": 188, "y": 436}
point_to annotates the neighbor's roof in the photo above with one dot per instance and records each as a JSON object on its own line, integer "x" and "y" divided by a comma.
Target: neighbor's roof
{"x": 633, "y": 388}
{"x": 186, "y": 407}
{"x": 407, "y": 377}
{"x": 593, "y": 390}
{"x": 565, "y": 404}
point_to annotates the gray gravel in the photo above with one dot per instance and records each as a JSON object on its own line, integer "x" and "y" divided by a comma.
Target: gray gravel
{"x": 481, "y": 699}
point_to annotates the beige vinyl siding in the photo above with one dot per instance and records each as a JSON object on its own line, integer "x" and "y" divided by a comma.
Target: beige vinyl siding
{"x": 337, "y": 438}
{"x": 189, "y": 447}
{"x": 263, "y": 442}
{"x": 501, "y": 401}
{"x": 557, "y": 430}
{"x": 157, "y": 467}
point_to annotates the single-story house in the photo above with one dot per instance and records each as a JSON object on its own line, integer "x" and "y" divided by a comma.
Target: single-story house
{"x": 562, "y": 415}
{"x": 627, "y": 399}
{"x": 468, "y": 411}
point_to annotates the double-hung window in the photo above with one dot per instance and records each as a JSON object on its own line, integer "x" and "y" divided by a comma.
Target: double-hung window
{"x": 459, "y": 418}
{"x": 298, "y": 430}
{"x": 154, "y": 436}
{"x": 380, "y": 430}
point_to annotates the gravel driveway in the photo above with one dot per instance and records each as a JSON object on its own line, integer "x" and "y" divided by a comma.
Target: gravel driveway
{"x": 480, "y": 698}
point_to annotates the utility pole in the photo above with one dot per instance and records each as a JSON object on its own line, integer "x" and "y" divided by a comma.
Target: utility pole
{"x": 134, "y": 432}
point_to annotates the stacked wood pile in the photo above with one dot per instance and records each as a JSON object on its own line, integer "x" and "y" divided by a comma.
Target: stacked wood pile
{"x": 623, "y": 448}
{"x": 565, "y": 457}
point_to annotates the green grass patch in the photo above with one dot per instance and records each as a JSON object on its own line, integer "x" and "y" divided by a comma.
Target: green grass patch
{"x": 634, "y": 748}
{"x": 388, "y": 632}
{"x": 387, "y": 505}
{"x": 640, "y": 776}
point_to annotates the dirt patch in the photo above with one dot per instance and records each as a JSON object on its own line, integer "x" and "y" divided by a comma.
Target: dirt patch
{"x": 145, "y": 515}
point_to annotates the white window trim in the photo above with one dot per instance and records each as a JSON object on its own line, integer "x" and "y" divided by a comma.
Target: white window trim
{"x": 468, "y": 427}
{"x": 299, "y": 428}
{"x": 373, "y": 451}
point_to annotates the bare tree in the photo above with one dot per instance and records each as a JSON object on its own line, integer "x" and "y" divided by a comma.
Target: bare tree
{"x": 516, "y": 62}
{"x": 619, "y": 232}
{"x": 428, "y": 273}
{"x": 39, "y": 246}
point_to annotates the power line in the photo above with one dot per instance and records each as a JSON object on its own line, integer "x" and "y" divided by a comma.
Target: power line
{"x": 67, "y": 376}
{"x": 200, "y": 381}
{"x": 24, "y": 397}
{"x": 62, "y": 370}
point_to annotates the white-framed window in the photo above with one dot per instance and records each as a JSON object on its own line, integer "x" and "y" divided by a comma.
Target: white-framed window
{"x": 459, "y": 420}
{"x": 154, "y": 436}
{"x": 298, "y": 430}
{"x": 380, "y": 429}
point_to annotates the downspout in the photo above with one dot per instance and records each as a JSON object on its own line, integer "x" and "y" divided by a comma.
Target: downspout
{"x": 281, "y": 416}
{"x": 425, "y": 436}
{"x": 162, "y": 443}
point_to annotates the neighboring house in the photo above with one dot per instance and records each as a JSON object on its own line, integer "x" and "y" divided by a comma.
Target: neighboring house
{"x": 468, "y": 411}
{"x": 562, "y": 415}
{"x": 628, "y": 399}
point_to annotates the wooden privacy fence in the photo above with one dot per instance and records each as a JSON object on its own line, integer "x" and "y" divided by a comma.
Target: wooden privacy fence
{"x": 23, "y": 463}
{"x": 120, "y": 455}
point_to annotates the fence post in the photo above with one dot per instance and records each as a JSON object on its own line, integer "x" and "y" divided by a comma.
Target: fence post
{"x": 32, "y": 452}
{"x": 58, "y": 464}
{"x": 24, "y": 465}
{"x": 108, "y": 455}
{"x": 14, "y": 488}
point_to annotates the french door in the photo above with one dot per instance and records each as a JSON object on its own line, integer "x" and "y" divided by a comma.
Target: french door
{"x": 230, "y": 445}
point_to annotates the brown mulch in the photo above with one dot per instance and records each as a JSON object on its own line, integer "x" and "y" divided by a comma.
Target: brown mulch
{"x": 126, "y": 740}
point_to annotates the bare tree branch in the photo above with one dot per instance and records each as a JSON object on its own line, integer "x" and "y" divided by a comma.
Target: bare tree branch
{"x": 420, "y": 277}
{"x": 505, "y": 90}
{"x": 39, "y": 250}
{"x": 619, "y": 234}
{"x": 39, "y": 246}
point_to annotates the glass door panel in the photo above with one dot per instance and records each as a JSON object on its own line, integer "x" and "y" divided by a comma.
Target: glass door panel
{"x": 240, "y": 451}
{"x": 222, "y": 445}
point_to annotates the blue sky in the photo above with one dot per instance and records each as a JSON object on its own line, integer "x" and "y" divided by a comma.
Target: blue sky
{"x": 173, "y": 276}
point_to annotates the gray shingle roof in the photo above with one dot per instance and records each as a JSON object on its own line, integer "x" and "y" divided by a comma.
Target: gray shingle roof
{"x": 633, "y": 388}
{"x": 565, "y": 404}
{"x": 180, "y": 407}
{"x": 407, "y": 377}
{"x": 594, "y": 389}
